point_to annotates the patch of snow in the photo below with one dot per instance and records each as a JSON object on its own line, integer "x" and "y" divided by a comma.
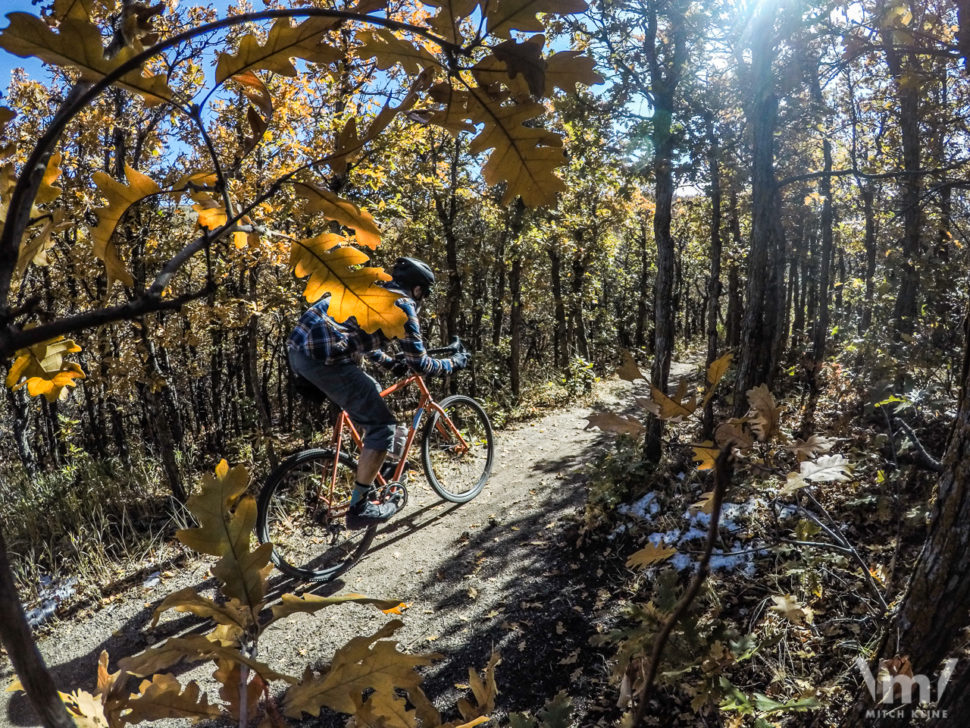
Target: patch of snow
{"x": 51, "y": 594}
{"x": 644, "y": 508}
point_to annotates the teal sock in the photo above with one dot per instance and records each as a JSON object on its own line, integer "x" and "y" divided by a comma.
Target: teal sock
{"x": 359, "y": 492}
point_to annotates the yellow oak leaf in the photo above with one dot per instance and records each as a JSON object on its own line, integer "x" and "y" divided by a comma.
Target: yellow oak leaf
{"x": 77, "y": 44}
{"x": 565, "y": 70}
{"x": 366, "y": 663}
{"x": 673, "y": 409}
{"x": 284, "y": 42}
{"x": 715, "y": 372}
{"x": 346, "y": 213}
{"x": 43, "y": 370}
{"x": 121, "y": 197}
{"x": 194, "y": 648}
{"x": 311, "y": 603}
{"x": 48, "y": 191}
{"x": 339, "y": 270}
{"x": 229, "y": 675}
{"x": 189, "y": 600}
{"x": 649, "y": 555}
{"x": 705, "y": 455}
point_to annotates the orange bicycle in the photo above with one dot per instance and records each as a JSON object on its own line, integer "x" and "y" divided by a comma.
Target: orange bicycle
{"x": 303, "y": 503}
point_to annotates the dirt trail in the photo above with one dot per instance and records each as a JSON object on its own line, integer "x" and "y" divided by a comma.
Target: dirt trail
{"x": 493, "y": 573}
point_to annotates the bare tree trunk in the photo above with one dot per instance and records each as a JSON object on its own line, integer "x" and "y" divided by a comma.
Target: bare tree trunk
{"x": 714, "y": 282}
{"x": 820, "y": 331}
{"x": 559, "y": 328}
{"x": 664, "y": 77}
{"x": 760, "y": 327}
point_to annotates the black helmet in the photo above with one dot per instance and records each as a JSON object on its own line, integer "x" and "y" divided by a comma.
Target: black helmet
{"x": 410, "y": 272}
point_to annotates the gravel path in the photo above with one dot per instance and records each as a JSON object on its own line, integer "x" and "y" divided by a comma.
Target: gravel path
{"x": 499, "y": 572}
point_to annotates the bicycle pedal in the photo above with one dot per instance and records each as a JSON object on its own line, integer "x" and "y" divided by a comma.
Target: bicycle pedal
{"x": 395, "y": 491}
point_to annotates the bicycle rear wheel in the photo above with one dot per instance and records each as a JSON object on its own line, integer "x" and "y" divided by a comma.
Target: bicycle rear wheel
{"x": 306, "y": 521}
{"x": 457, "y": 450}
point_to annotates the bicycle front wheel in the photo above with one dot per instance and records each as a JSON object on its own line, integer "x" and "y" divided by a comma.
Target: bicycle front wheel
{"x": 302, "y": 512}
{"x": 457, "y": 449}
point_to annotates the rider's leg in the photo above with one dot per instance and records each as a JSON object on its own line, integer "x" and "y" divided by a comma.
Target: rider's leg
{"x": 358, "y": 394}
{"x": 368, "y": 465}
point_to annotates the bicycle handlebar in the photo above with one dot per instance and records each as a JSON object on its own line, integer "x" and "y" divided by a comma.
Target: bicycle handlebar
{"x": 453, "y": 348}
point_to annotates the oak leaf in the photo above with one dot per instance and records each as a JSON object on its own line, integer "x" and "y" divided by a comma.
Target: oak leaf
{"x": 671, "y": 408}
{"x": 649, "y": 555}
{"x": 229, "y": 675}
{"x": 705, "y": 504}
{"x": 565, "y": 70}
{"x": 77, "y": 44}
{"x": 793, "y": 483}
{"x": 48, "y": 191}
{"x": 311, "y": 603}
{"x": 791, "y": 610}
{"x": 628, "y": 371}
{"x": 612, "y": 422}
{"x": 733, "y": 434}
{"x": 121, "y": 197}
{"x": 341, "y": 211}
{"x": 163, "y": 697}
{"x": 35, "y": 249}
{"x": 189, "y": 600}
{"x": 507, "y": 15}
{"x": 196, "y": 648}
{"x": 705, "y": 455}
{"x": 82, "y": 9}
{"x": 210, "y": 505}
{"x": 814, "y": 445}
{"x": 447, "y": 22}
{"x": 715, "y": 372}
{"x": 366, "y": 663}
{"x": 43, "y": 369}
{"x": 338, "y": 270}
{"x": 765, "y": 416}
{"x": 284, "y": 42}
{"x": 85, "y": 709}
{"x": 388, "y": 49}
{"x": 826, "y": 469}
{"x": 483, "y": 688}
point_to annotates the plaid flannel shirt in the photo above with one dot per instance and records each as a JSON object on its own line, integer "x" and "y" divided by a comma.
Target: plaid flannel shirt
{"x": 318, "y": 336}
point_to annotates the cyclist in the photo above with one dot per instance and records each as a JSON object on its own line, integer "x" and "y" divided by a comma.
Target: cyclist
{"x": 329, "y": 354}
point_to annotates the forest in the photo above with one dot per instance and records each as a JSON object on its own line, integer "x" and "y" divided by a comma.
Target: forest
{"x": 717, "y": 251}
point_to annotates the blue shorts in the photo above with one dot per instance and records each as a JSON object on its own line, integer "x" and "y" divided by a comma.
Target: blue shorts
{"x": 355, "y": 392}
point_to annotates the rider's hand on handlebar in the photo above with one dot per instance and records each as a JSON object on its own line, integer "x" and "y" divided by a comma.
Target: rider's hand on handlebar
{"x": 400, "y": 366}
{"x": 460, "y": 360}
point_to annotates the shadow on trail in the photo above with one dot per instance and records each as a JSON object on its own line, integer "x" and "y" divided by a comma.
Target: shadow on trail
{"x": 514, "y": 583}
{"x": 136, "y": 635}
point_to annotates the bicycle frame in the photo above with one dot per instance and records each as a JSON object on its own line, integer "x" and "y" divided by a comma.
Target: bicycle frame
{"x": 425, "y": 402}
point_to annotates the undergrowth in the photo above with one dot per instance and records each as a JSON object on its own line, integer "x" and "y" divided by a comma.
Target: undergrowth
{"x": 84, "y": 518}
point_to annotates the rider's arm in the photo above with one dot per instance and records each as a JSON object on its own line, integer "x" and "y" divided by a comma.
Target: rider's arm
{"x": 381, "y": 357}
{"x": 413, "y": 346}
